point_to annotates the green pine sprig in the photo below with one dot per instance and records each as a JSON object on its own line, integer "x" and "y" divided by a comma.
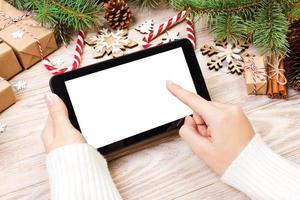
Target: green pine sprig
{"x": 294, "y": 14}
{"x": 229, "y": 27}
{"x": 148, "y": 3}
{"x": 265, "y": 22}
{"x": 215, "y": 7}
{"x": 271, "y": 27}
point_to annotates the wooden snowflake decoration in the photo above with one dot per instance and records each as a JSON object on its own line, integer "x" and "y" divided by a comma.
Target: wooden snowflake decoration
{"x": 226, "y": 54}
{"x": 107, "y": 42}
{"x": 146, "y": 27}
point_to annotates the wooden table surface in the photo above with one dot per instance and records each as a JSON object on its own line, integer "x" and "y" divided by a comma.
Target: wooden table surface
{"x": 165, "y": 169}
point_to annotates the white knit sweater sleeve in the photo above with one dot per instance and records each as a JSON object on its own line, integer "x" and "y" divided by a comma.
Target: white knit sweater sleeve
{"x": 79, "y": 172}
{"x": 262, "y": 174}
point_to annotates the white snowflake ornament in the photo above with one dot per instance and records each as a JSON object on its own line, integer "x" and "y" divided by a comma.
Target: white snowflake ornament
{"x": 229, "y": 52}
{"x": 57, "y": 61}
{"x": 2, "y": 127}
{"x": 20, "y": 85}
{"x": 108, "y": 42}
{"x": 146, "y": 27}
{"x": 18, "y": 34}
{"x": 171, "y": 37}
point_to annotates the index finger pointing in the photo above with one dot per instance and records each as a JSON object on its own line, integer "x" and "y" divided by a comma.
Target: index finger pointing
{"x": 192, "y": 100}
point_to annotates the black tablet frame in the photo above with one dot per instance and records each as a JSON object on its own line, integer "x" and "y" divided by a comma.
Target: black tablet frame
{"x": 57, "y": 85}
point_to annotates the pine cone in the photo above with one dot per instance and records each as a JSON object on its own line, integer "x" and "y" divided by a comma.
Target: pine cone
{"x": 292, "y": 61}
{"x": 118, "y": 14}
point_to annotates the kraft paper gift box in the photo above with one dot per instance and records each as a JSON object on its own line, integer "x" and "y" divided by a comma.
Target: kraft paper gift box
{"x": 256, "y": 82}
{"x": 26, "y": 48}
{"x": 9, "y": 64}
{"x": 7, "y": 95}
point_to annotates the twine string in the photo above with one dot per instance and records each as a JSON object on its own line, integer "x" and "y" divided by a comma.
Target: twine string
{"x": 275, "y": 71}
{"x": 12, "y": 20}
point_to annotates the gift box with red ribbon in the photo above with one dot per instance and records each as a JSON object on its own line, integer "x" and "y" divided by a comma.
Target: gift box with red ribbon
{"x": 255, "y": 75}
{"x": 30, "y": 41}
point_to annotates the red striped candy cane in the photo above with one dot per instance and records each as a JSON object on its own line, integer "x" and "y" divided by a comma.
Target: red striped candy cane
{"x": 190, "y": 31}
{"x": 77, "y": 58}
{"x": 179, "y": 17}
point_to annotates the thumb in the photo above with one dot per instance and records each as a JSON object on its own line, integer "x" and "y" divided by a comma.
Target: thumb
{"x": 199, "y": 144}
{"x": 57, "y": 111}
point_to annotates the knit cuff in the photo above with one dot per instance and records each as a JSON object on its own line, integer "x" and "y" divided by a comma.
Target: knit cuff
{"x": 262, "y": 174}
{"x": 79, "y": 171}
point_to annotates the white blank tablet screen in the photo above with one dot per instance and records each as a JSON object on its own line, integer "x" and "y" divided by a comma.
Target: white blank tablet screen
{"x": 126, "y": 100}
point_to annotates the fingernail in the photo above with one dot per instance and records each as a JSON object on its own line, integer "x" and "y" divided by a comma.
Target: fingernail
{"x": 170, "y": 82}
{"x": 187, "y": 117}
{"x": 49, "y": 100}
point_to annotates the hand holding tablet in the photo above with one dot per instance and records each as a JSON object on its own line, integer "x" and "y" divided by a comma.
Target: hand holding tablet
{"x": 216, "y": 138}
{"x": 122, "y": 101}
{"x": 134, "y": 88}
{"x": 219, "y": 134}
{"x": 58, "y": 130}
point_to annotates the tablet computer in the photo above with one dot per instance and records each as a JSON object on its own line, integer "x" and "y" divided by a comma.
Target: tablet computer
{"x": 124, "y": 100}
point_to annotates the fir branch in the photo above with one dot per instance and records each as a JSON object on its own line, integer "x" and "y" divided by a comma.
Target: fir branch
{"x": 215, "y": 7}
{"x": 148, "y": 3}
{"x": 271, "y": 27}
{"x": 45, "y": 15}
{"x": 287, "y": 7}
{"x": 229, "y": 28}
{"x": 286, "y": 4}
{"x": 80, "y": 14}
{"x": 294, "y": 14}
{"x": 23, "y": 4}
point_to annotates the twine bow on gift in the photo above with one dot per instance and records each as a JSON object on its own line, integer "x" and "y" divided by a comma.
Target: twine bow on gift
{"x": 12, "y": 20}
{"x": 257, "y": 73}
{"x": 279, "y": 73}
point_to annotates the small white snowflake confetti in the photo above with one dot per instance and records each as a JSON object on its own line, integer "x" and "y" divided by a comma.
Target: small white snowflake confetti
{"x": 57, "y": 62}
{"x": 146, "y": 27}
{"x": 107, "y": 42}
{"x": 2, "y": 127}
{"x": 18, "y": 34}
{"x": 170, "y": 36}
{"x": 20, "y": 85}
